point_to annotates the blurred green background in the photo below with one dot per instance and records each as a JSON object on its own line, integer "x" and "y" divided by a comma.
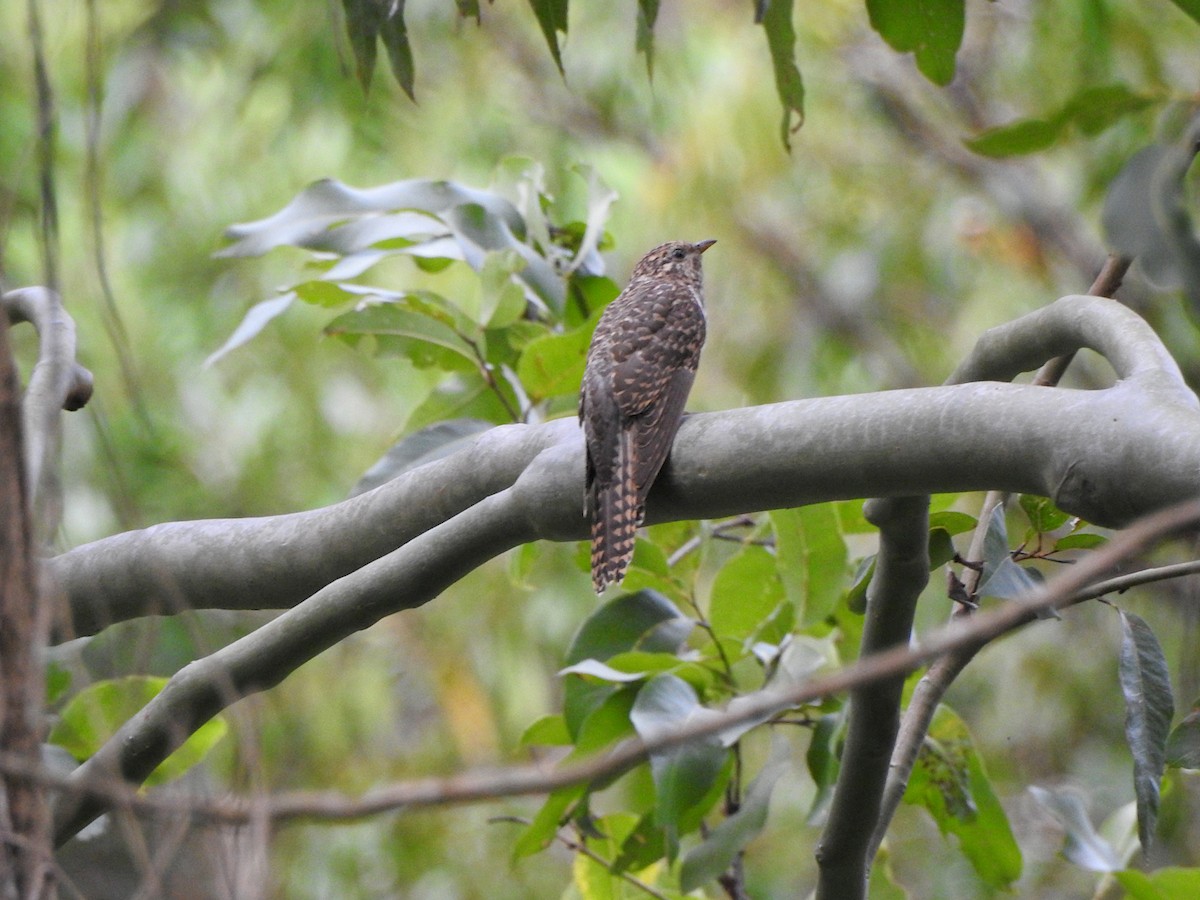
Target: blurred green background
{"x": 870, "y": 257}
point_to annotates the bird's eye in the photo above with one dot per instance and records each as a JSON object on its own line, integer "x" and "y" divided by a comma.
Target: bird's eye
{"x": 678, "y": 253}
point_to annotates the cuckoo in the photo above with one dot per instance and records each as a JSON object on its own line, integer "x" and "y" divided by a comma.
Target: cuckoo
{"x": 640, "y": 367}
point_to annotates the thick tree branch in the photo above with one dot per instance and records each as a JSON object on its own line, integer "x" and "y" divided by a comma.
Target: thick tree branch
{"x": 934, "y": 683}
{"x": 24, "y": 814}
{"x": 1108, "y": 456}
{"x": 57, "y": 382}
{"x": 98, "y": 788}
{"x": 405, "y": 578}
{"x": 901, "y": 573}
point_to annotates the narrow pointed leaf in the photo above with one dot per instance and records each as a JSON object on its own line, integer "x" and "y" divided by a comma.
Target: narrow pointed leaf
{"x": 395, "y": 41}
{"x": 646, "y": 17}
{"x": 718, "y": 851}
{"x": 363, "y": 18}
{"x": 781, "y": 41}
{"x": 255, "y": 320}
{"x": 552, "y": 18}
{"x": 1149, "y": 707}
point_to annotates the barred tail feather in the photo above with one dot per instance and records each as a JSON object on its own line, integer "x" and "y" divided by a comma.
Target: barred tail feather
{"x": 617, "y": 515}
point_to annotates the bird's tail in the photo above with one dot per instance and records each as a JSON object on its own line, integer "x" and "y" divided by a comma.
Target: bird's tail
{"x": 616, "y": 517}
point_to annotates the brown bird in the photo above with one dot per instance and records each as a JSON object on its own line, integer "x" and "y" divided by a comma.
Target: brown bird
{"x": 640, "y": 367}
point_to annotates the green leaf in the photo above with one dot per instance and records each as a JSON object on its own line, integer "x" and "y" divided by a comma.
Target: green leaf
{"x": 594, "y": 877}
{"x": 645, "y": 845}
{"x": 684, "y": 776}
{"x": 395, "y": 41}
{"x": 1190, "y": 7}
{"x": 502, "y": 301}
{"x": 1084, "y": 846}
{"x": 1080, "y": 540}
{"x": 824, "y": 763}
{"x": 941, "y": 547}
{"x": 698, "y": 676}
{"x": 722, "y": 845}
{"x": 951, "y": 521}
{"x": 627, "y": 622}
{"x": 1043, "y": 515}
{"x": 58, "y": 682}
{"x": 469, "y": 9}
{"x": 600, "y": 198}
{"x": 646, "y": 17}
{"x": 931, "y": 29}
{"x": 1172, "y": 883}
{"x": 781, "y": 41}
{"x": 949, "y": 780}
{"x": 552, "y": 18}
{"x": 363, "y": 18}
{"x": 856, "y": 594}
{"x": 424, "y": 446}
{"x": 553, "y": 365}
{"x": 1092, "y": 110}
{"x": 1096, "y": 109}
{"x": 1149, "y": 706}
{"x": 602, "y": 671}
{"x": 325, "y": 293}
{"x": 1183, "y": 746}
{"x": 1017, "y": 138}
{"x": 256, "y": 320}
{"x": 407, "y": 329}
{"x": 811, "y": 556}
{"x": 540, "y": 833}
{"x": 745, "y": 594}
{"x": 548, "y": 731}
{"x": 95, "y": 714}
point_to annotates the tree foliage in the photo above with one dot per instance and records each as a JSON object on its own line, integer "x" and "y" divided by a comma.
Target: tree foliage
{"x": 456, "y": 286}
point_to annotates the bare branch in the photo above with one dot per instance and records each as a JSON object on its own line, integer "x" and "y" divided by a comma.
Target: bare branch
{"x": 57, "y": 382}
{"x": 901, "y": 573}
{"x": 24, "y": 814}
{"x": 98, "y": 786}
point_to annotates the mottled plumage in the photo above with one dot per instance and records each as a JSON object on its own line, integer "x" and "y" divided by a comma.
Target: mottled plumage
{"x": 640, "y": 367}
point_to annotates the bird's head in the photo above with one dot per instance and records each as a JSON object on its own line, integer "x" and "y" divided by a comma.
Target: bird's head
{"x": 674, "y": 259}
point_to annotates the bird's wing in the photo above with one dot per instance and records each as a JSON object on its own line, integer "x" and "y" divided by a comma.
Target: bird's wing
{"x": 653, "y": 432}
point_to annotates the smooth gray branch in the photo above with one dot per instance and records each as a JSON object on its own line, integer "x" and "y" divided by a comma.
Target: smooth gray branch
{"x": 57, "y": 382}
{"x": 1108, "y": 456}
{"x": 405, "y": 542}
{"x": 96, "y": 787}
{"x": 405, "y": 578}
{"x": 901, "y": 573}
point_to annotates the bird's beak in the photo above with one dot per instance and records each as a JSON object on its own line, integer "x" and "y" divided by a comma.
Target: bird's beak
{"x": 704, "y": 245}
